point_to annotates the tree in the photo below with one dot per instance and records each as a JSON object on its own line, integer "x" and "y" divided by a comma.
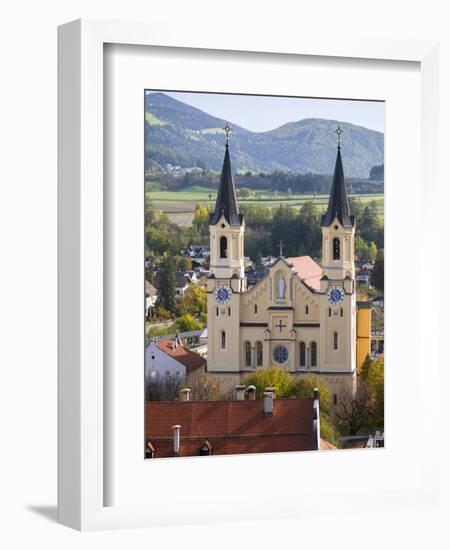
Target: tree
{"x": 377, "y": 277}
{"x": 370, "y": 227}
{"x": 206, "y": 387}
{"x": 245, "y": 192}
{"x": 356, "y": 208}
{"x": 363, "y": 250}
{"x": 377, "y": 172}
{"x": 184, "y": 263}
{"x": 186, "y": 323}
{"x": 372, "y": 374}
{"x": 284, "y": 228}
{"x": 272, "y": 377}
{"x": 354, "y": 412}
{"x": 165, "y": 283}
{"x": 309, "y": 231}
{"x": 201, "y": 217}
{"x": 372, "y": 250}
{"x": 304, "y": 387}
{"x": 163, "y": 389}
{"x": 194, "y": 302}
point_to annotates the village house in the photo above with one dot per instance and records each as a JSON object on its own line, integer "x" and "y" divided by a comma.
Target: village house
{"x": 183, "y": 280}
{"x": 151, "y": 295}
{"x": 363, "y": 276}
{"x": 169, "y": 358}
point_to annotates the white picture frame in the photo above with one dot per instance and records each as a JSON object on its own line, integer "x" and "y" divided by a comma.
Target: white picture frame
{"x": 83, "y": 397}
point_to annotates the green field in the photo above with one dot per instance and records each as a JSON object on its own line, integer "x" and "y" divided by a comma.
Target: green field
{"x": 180, "y": 205}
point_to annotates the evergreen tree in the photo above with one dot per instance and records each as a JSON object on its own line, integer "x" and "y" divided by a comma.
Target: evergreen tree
{"x": 165, "y": 283}
{"x": 377, "y": 278}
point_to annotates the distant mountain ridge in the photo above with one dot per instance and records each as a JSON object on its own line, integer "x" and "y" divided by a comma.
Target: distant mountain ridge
{"x": 183, "y": 135}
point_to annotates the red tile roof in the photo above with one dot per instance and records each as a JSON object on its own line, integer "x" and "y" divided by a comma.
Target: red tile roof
{"x": 232, "y": 427}
{"x": 188, "y": 358}
{"x": 307, "y": 269}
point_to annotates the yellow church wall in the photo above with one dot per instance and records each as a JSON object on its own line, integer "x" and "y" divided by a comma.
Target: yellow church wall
{"x": 256, "y": 296}
{"x": 363, "y": 333}
{"x": 304, "y": 297}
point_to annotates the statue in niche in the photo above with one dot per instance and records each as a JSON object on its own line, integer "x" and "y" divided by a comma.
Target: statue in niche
{"x": 281, "y": 288}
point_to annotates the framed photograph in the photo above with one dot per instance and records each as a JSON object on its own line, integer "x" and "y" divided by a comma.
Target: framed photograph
{"x": 225, "y": 211}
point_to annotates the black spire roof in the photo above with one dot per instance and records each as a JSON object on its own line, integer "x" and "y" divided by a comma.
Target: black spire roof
{"x": 226, "y": 203}
{"x": 338, "y": 203}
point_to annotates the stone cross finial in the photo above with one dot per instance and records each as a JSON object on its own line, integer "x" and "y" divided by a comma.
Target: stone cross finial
{"x": 227, "y": 129}
{"x": 338, "y": 132}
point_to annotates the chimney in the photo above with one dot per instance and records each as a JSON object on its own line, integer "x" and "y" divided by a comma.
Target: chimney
{"x": 251, "y": 392}
{"x": 185, "y": 394}
{"x": 269, "y": 396}
{"x": 240, "y": 393}
{"x": 176, "y": 439}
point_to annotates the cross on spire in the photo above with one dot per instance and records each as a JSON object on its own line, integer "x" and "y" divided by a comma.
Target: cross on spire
{"x": 280, "y": 244}
{"x": 338, "y": 132}
{"x": 227, "y": 129}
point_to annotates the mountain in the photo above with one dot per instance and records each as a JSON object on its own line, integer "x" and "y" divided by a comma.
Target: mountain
{"x": 183, "y": 135}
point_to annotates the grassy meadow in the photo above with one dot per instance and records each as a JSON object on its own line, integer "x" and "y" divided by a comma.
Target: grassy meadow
{"x": 180, "y": 205}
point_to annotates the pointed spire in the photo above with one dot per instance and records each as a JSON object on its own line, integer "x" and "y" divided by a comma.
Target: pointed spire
{"x": 338, "y": 206}
{"x": 226, "y": 203}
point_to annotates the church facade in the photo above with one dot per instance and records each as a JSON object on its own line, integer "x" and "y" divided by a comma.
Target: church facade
{"x": 302, "y": 316}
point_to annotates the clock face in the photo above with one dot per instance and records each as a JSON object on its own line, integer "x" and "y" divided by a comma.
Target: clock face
{"x": 335, "y": 295}
{"x": 223, "y": 294}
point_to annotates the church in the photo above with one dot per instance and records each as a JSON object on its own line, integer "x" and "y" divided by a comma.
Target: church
{"x": 301, "y": 316}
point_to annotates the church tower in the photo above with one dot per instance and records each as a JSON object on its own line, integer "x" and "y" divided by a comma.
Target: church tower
{"x": 337, "y": 285}
{"x": 227, "y": 279}
{"x": 338, "y": 229}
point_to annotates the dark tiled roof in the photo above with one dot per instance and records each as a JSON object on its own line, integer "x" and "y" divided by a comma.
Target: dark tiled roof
{"x": 226, "y": 202}
{"x": 232, "y": 427}
{"x": 338, "y": 202}
{"x": 181, "y": 279}
{"x": 189, "y": 359}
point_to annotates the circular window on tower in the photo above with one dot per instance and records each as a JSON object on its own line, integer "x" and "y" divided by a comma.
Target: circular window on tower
{"x": 280, "y": 354}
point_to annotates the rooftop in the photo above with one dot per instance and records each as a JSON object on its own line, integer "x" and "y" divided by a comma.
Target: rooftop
{"x": 338, "y": 206}
{"x": 307, "y": 269}
{"x": 188, "y": 358}
{"x": 231, "y": 427}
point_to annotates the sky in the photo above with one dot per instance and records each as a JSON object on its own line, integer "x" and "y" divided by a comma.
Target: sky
{"x": 262, "y": 113}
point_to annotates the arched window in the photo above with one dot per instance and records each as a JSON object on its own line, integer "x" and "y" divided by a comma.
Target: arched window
{"x": 313, "y": 354}
{"x": 248, "y": 354}
{"x": 223, "y": 247}
{"x": 223, "y": 339}
{"x": 335, "y": 341}
{"x": 302, "y": 354}
{"x": 259, "y": 354}
{"x": 336, "y": 249}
